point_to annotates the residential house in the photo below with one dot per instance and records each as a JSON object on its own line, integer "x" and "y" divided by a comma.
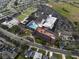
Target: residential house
{"x": 37, "y": 55}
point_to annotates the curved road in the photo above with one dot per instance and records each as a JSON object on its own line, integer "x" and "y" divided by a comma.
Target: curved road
{"x": 22, "y": 40}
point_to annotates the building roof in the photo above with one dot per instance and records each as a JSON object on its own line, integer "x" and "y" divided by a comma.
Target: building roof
{"x": 45, "y": 57}
{"x": 50, "y": 54}
{"x": 11, "y": 23}
{"x": 37, "y": 55}
{"x": 29, "y": 53}
{"x": 49, "y": 22}
{"x": 45, "y": 32}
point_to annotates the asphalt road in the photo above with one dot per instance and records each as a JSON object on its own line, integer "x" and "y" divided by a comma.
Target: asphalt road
{"x": 6, "y": 42}
{"x": 22, "y": 40}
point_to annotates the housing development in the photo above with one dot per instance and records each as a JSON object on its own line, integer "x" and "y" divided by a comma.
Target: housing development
{"x": 39, "y": 29}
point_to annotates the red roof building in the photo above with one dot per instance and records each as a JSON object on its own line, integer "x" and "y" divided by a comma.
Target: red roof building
{"x": 47, "y": 35}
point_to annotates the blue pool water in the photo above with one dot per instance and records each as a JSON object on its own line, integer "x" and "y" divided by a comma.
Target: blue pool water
{"x": 32, "y": 25}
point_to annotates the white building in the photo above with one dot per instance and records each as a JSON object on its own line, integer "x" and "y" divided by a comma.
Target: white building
{"x": 37, "y": 55}
{"x": 11, "y": 23}
{"x": 50, "y": 54}
{"x": 49, "y": 22}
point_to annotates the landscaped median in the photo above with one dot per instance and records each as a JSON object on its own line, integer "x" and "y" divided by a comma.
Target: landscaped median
{"x": 26, "y": 13}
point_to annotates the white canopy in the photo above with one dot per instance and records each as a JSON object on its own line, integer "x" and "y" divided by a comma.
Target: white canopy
{"x": 11, "y": 23}
{"x": 49, "y": 22}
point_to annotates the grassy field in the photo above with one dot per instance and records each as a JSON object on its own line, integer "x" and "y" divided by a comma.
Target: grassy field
{"x": 40, "y": 40}
{"x": 21, "y": 57}
{"x": 34, "y": 49}
{"x": 57, "y": 56}
{"x": 69, "y": 57}
{"x": 26, "y": 13}
{"x": 67, "y": 10}
{"x": 42, "y": 51}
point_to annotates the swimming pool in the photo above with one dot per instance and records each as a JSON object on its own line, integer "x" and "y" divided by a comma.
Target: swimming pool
{"x": 32, "y": 25}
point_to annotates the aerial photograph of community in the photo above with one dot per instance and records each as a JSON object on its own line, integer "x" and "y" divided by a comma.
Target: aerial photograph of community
{"x": 39, "y": 29}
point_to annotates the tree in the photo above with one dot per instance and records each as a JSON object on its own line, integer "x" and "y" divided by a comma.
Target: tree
{"x": 16, "y": 3}
{"x": 0, "y": 57}
{"x": 57, "y": 42}
{"x": 15, "y": 29}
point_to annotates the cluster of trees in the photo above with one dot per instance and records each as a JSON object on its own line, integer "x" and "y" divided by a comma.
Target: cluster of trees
{"x": 0, "y": 57}
{"x": 15, "y": 29}
{"x": 76, "y": 24}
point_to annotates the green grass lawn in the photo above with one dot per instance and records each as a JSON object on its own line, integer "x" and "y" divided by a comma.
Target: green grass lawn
{"x": 40, "y": 40}
{"x": 42, "y": 51}
{"x": 62, "y": 8}
{"x": 34, "y": 49}
{"x": 67, "y": 10}
{"x": 21, "y": 57}
{"x": 57, "y": 56}
{"x": 28, "y": 32}
{"x": 69, "y": 57}
{"x": 26, "y": 13}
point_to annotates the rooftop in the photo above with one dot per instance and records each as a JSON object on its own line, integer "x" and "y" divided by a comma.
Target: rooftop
{"x": 49, "y": 22}
{"x": 45, "y": 32}
{"x": 37, "y": 55}
{"x": 14, "y": 21}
